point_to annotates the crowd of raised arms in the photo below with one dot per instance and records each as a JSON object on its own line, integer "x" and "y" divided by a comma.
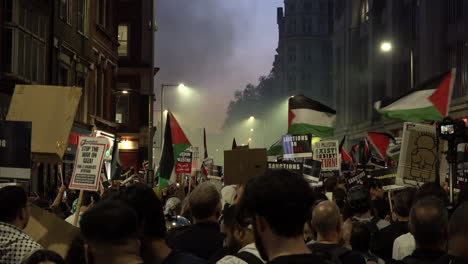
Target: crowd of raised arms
{"x": 275, "y": 218}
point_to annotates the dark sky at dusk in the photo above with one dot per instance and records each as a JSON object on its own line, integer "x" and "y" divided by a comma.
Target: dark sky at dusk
{"x": 214, "y": 47}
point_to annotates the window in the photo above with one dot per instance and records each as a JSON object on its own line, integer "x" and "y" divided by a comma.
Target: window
{"x": 7, "y": 49}
{"x": 291, "y": 82}
{"x": 292, "y": 26}
{"x": 364, "y": 11}
{"x": 308, "y": 55}
{"x": 307, "y": 26}
{"x": 291, "y": 54}
{"x": 81, "y": 82}
{"x": 65, "y": 10}
{"x": 122, "y": 112}
{"x": 64, "y": 75}
{"x": 102, "y": 5}
{"x": 8, "y": 7}
{"x": 82, "y": 16}
{"x": 123, "y": 40}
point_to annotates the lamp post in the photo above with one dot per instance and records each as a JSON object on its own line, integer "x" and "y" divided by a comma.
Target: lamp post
{"x": 182, "y": 88}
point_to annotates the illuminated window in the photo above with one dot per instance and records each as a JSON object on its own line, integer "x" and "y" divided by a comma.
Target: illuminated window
{"x": 123, "y": 40}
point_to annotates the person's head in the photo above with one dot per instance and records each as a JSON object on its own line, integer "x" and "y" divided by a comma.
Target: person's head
{"x": 458, "y": 232}
{"x": 205, "y": 202}
{"x": 402, "y": 202}
{"x": 326, "y": 220}
{"x": 432, "y": 189}
{"x": 359, "y": 200}
{"x": 279, "y": 204}
{"x": 339, "y": 197}
{"x": 110, "y": 194}
{"x": 330, "y": 184}
{"x": 14, "y": 208}
{"x": 238, "y": 231}
{"x": 90, "y": 199}
{"x": 148, "y": 208}
{"x": 428, "y": 222}
{"x": 375, "y": 190}
{"x": 228, "y": 195}
{"x": 360, "y": 237}
{"x": 110, "y": 229}
{"x": 44, "y": 257}
{"x": 173, "y": 206}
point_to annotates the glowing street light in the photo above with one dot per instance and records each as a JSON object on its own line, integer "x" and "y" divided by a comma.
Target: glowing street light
{"x": 250, "y": 139}
{"x": 182, "y": 88}
{"x": 251, "y": 130}
{"x": 125, "y": 92}
{"x": 165, "y": 112}
{"x": 386, "y": 46}
{"x": 252, "y": 118}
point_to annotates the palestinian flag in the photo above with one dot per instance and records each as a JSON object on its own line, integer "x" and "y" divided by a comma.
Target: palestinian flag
{"x": 430, "y": 101}
{"x": 365, "y": 154}
{"x": 276, "y": 149}
{"x": 175, "y": 142}
{"x": 307, "y": 116}
{"x": 204, "y": 144}
{"x": 379, "y": 143}
{"x": 352, "y": 153}
{"x": 345, "y": 155}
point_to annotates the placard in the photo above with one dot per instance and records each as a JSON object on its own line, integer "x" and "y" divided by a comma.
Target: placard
{"x": 88, "y": 164}
{"x": 240, "y": 165}
{"x": 327, "y": 152}
{"x": 385, "y": 177}
{"x": 15, "y": 150}
{"x": 353, "y": 179}
{"x": 297, "y": 146}
{"x": 312, "y": 169}
{"x": 419, "y": 154}
{"x": 293, "y": 166}
{"x": 184, "y": 162}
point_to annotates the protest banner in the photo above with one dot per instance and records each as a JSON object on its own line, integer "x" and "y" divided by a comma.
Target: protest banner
{"x": 420, "y": 152}
{"x": 293, "y": 166}
{"x": 51, "y": 109}
{"x": 311, "y": 170}
{"x": 387, "y": 179}
{"x": 327, "y": 152}
{"x": 50, "y": 231}
{"x": 353, "y": 179}
{"x": 240, "y": 165}
{"x": 216, "y": 181}
{"x": 15, "y": 150}
{"x": 184, "y": 162}
{"x": 297, "y": 146}
{"x": 88, "y": 164}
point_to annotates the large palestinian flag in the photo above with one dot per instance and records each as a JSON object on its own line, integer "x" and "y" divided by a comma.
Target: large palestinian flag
{"x": 430, "y": 101}
{"x": 175, "y": 142}
{"x": 379, "y": 143}
{"x": 307, "y": 116}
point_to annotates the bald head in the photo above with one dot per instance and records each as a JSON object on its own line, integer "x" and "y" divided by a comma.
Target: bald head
{"x": 204, "y": 201}
{"x": 326, "y": 217}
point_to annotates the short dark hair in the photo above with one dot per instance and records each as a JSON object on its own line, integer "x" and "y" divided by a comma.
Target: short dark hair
{"x": 149, "y": 209}
{"x": 12, "y": 199}
{"x": 428, "y": 221}
{"x": 283, "y": 198}
{"x": 204, "y": 200}
{"x": 432, "y": 189}
{"x": 360, "y": 236}
{"x": 89, "y": 197}
{"x": 111, "y": 222}
{"x": 340, "y": 196}
{"x": 402, "y": 202}
{"x": 330, "y": 183}
{"x": 457, "y": 226}
{"x": 359, "y": 199}
{"x": 44, "y": 255}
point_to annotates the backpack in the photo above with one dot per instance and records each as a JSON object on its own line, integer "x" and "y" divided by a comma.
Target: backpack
{"x": 249, "y": 257}
{"x": 372, "y": 225}
{"x": 332, "y": 256}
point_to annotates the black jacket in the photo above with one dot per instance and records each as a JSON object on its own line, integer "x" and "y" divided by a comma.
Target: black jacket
{"x": 382, "y": 242}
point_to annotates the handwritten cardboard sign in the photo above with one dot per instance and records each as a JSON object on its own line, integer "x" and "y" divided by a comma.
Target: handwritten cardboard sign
{"x": 88, "y": 164}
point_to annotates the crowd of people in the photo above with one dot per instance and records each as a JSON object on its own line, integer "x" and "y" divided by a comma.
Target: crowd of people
{"x": 274, "y": 218}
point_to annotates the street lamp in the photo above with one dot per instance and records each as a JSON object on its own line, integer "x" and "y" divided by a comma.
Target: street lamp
{"x": 252, "y": 118}
{"x": 386, "y": 46}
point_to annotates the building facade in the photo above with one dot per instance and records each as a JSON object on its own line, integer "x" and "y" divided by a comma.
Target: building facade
{"x": 135, "y": 81}
{"x": 303, "y": 64}
{"x": 426, "y": 37}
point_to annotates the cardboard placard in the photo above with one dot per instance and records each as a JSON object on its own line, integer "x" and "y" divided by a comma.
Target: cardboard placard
{"x": 50, "y": 231}
{"x": 419, "y": 154}
{"x": 353, "y": 179}
{"x": 327, "y": 152}
{"x": 240, "y": 165}
{"x": 51, "y": 109}
{"x": 88, "y": 164}
{"x": 297, "y": 146}
{"x": 15, "y": 150}
{"x": 312, "y": 169}
{"x": 386, "y": 177}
